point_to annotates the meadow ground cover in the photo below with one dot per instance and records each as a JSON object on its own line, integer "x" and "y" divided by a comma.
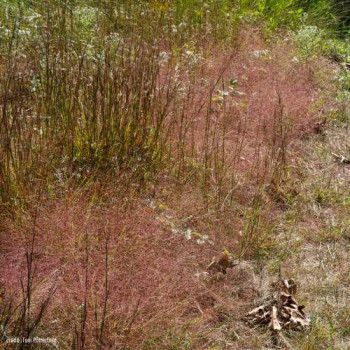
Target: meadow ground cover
{"x": 139, "y": 139}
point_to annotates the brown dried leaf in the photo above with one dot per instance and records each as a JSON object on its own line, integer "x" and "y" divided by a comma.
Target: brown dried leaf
{"x": 274, "y": 323}
{"x": 259, "y": 310}
{"x": 283, "y": 311}
{"x": 222, "y": 264}
{"x": 289, "y": 286}
{"x": 299, "y": 319}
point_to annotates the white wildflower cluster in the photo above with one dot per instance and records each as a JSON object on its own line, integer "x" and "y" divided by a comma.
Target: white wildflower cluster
{"x": 191, "y": 56}
{"x": 25, "y": 29}
{"x": 231, "y": 90}
{"x": 32, "y": 16}
{"x": 164, "y": 57}
{"x": 35, "y": 82}
{"x": 343, "y": 95}
{"x": 180, "y": 84}
{"x": 200, "y": 239}
{"x": 173, "y": 28}
{"x": 166, "y": 219}
{"x": 261, "y": 54}
{"x": 38, "y": 130}
{"x": 115, "y": 41}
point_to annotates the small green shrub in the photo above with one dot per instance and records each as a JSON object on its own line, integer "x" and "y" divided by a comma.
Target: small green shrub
{"x": 309, "y": 40}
